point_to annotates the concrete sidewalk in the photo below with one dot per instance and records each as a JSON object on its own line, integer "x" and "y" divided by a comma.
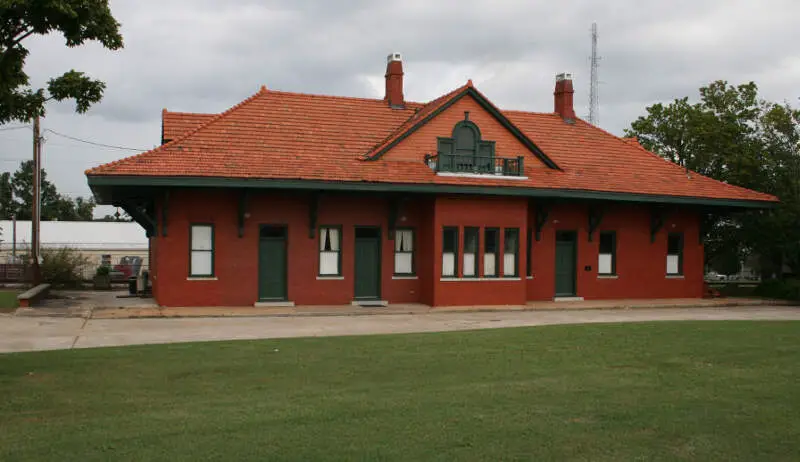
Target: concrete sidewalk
{"x": 50, "y": 333}
{"x": 106, "y": 305}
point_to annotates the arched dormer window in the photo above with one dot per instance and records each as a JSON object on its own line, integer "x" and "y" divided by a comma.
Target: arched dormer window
{"x": 465, "y": 151}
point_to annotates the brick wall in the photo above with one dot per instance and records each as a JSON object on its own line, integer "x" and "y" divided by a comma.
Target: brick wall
{"x": 640, "y": 263}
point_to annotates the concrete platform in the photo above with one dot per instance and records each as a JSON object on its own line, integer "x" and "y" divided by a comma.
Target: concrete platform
{"x": 412, "y": 308}
{"x": 27, "y": 334}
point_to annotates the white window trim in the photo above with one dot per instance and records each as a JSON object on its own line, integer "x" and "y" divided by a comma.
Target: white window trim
{"x": 469, "y": 279}
{"x": 202, "y": 278}
{"x": 482, "y": 175}
{"x": 401, "y": 278}
{"x": 330, "y": 278}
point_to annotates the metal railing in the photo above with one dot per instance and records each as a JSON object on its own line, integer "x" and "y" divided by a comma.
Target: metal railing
{"x": 484, "y": 165}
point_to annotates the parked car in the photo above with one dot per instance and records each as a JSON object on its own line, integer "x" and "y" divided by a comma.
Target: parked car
{"x": 714, "y": 276}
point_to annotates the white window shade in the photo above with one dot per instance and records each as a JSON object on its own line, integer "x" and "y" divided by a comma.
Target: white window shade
{"x": 201, "y": 237}
{"x": 201, "y": 263}
{"x": 604, "y": 264}
{"x": 402, "y": 263}
{"x": 509, "y": 264}
{"x": 673, "y": 266}
{"x": 489, "y": 264}
{"x": 448, "y": 264}
{"x": 329, "y": 263}
{"x": 469, "y": 265}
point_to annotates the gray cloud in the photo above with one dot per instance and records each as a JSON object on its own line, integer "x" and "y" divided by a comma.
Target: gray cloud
{"x": 206, "y": 55}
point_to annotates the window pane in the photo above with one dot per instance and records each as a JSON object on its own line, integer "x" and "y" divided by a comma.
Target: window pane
{"x": 511, "y": 238}
{"x": 201, "y": 263}
{"x": 604, "y": 265}
{"x": 509, "y": 264}
{"x": 607, "y": 242}
{"x": 510, "y": 251}
{"x": 403, "y": 240}
{"x": 469, "y": 264}
{"x": 491, "y": 240}
{"x": 329, "y": 263}
{"x": 673, "y": 265}
{"x": 471, "y": 240}
{"x": 334, "y": 235}
{"x": 450, "y": 239}
{"x": 201, "y": 237}
{"x": 675, "y": 244}
{"x": 489, "y": 264}
{"x": 402, "y": 263}
{"x": 448, "y": 264}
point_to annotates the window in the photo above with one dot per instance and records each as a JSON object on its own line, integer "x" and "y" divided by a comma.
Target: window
{"x": 471, "y": 238}
{"x": 528, "y": 254}
{"x": 675, "y": 254}
{"x": 511, "y": 252}
{"x": 490, "y": 252}
{"x": 404, "y": 252}
{"x": 607, "y": 260}
{"x": 450, "y": 252}
{"x": 201, "y": 256}
{"x": 330, "y": 251}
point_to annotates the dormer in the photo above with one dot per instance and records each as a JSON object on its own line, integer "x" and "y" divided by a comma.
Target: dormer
{"x": 466, "y": 153}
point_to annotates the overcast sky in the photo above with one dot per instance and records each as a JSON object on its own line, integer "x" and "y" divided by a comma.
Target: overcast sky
{"x": 207, "y": 55}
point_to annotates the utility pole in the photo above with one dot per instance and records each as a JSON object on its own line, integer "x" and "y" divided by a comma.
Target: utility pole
{"x": 36, "y": 212}
{"x": 14, "y": 238}
{"x": 594, "y": 98}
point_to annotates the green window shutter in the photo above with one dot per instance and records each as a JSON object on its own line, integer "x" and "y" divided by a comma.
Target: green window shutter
{"x": 446, "y": 145}
{"x": 485, "y": 159}
{"x": 486, "y": 149}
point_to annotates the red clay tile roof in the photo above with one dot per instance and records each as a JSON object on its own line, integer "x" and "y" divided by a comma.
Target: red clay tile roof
{"x": 282, "y": 135}
{"x": 175, "y": 124}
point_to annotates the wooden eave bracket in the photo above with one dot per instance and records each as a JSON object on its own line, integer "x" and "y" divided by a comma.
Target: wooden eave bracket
{"x": 595, "y": 218}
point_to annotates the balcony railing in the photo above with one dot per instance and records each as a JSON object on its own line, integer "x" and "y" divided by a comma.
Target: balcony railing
{"x": 481, "y": 165}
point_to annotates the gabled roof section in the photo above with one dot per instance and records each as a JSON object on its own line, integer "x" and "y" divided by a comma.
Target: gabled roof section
{"x": 176, "y": 124}
{"x": 277, "y": 139}
{"x": 437, "y": 106}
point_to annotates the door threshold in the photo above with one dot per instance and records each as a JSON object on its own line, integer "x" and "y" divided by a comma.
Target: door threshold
{"x": 568, "y": 299}
{"x": 370, "y": 303}
{"x": 275, "y": 304}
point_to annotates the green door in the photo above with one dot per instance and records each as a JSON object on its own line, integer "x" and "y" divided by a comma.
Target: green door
{"x": 272, "y": 264}
{"x": 565, "y": 264}
{"x": 368, "y": 264}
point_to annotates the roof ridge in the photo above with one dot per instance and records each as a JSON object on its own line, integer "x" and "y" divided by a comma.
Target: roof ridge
{"x": 520, "y": 111}
{"x": 262, "y": 91}
{"x": 421, "y": 112}
{"x": 323, "y": 95}
{"x": 167, "y": 111}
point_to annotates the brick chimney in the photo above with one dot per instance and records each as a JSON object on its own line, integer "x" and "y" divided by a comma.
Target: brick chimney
{"x": 394, "y": 81}
{"x": 563, "y": 96}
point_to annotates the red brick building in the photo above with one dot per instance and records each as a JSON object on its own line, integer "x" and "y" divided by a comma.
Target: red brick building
{"x": 313, "y": 199}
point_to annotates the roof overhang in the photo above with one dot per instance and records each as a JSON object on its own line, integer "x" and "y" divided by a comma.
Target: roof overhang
{"x": 113, "y": 189}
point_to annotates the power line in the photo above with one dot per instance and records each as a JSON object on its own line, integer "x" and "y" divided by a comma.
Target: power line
{"x": 19, "y": 127}
{"x": 111, "y": 146}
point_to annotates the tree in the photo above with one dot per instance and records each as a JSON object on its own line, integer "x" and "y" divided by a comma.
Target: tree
{"x": 54, "y": 205}
{"x": 78, "y": 21}
{"x": 733, "y": 136}
{"x": 7, "y": 206}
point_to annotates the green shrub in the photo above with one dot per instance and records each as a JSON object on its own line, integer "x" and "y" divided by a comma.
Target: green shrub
{"x": 103, "y": 270}
{"x": 63, "y": 267}
{"x": 785, "y": 289}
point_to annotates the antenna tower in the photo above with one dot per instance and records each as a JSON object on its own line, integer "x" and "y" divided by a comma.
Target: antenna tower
{"x": 594, "y": 100}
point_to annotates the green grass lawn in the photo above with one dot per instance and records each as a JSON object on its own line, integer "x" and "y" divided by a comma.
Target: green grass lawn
{"x": 8, "y": 301}
{"x": 659, "y": 391}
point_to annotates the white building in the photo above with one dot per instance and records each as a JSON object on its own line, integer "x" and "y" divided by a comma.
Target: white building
{"x": 97, "y": 240}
